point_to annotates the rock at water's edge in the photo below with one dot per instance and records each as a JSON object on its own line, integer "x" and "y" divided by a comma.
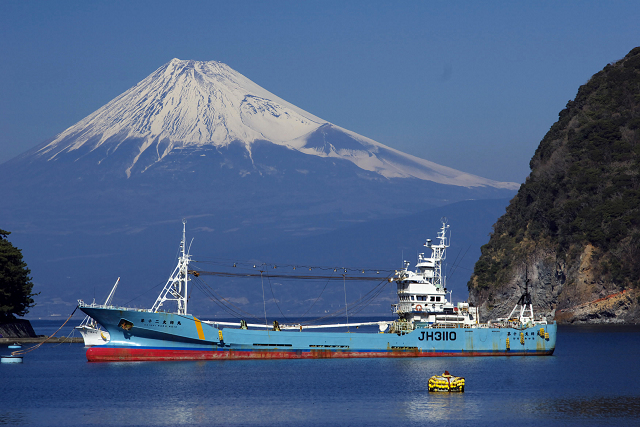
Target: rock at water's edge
{"x": 17, "y": 328}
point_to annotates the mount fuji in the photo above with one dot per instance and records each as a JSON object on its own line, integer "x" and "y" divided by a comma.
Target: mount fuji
{"x": 198, "y": 140}
{"x": 195, "y": 104}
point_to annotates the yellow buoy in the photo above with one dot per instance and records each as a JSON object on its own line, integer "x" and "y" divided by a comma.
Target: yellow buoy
{"x": 446, "y": 382}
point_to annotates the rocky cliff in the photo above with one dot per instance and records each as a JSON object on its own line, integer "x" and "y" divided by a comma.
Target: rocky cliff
{"x": 18, "y": 328}
{"x": 573, "y": 229}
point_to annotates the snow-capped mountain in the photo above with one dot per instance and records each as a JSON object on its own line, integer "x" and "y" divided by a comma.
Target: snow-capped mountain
{"x": 197, "y": 104}
{"x": 253, "y": 174}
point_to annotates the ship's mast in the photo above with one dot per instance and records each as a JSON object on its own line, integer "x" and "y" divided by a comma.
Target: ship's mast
{"x": 113, "y": 291}
{"x": 176, "y": 287}
{"x": 439, "y": 254}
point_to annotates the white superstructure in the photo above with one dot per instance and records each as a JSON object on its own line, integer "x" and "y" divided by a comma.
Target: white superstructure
{"x": 422, "y": 294}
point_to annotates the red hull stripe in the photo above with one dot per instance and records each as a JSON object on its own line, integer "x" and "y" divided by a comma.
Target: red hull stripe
{"x": 108, "y": 354}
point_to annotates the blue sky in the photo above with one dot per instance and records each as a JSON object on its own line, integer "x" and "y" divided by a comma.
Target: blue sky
{"x": 470, "y": 85}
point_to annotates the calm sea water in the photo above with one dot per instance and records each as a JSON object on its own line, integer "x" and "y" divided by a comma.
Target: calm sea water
{"x": 592, "y": 379}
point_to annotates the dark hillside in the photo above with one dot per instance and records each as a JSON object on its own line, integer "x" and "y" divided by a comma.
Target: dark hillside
{"x": 575, "y": 222}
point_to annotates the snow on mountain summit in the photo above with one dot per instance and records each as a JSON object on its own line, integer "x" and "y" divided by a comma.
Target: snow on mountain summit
{"x": 188, "y": 103}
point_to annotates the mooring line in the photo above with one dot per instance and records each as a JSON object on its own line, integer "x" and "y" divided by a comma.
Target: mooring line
{"x": 21, "y": 352}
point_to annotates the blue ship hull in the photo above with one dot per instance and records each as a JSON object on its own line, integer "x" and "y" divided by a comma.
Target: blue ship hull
{"x": 144, "y": 335}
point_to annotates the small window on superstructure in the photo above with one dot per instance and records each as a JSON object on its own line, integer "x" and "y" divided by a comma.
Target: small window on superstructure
{"x": 437, "y": 298}
{"x": 411, "y": 297}
{"x": 432, "y": 298}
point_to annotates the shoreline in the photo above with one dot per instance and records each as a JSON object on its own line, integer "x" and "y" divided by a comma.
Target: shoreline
{"x": 41, "y": 339}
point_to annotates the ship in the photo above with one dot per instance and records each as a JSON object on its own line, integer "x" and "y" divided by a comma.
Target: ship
{"x": 426, "y": 324}
{"x": 92, "y": 333}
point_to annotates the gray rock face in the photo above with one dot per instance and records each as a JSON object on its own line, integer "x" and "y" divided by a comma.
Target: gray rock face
{"x": 567, "y": 294}
{"x": 19, "y": 328}
{"x": 546, "y": 277}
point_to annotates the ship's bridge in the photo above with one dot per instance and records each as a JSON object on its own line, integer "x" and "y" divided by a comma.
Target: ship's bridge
{"x": 422, "y": 294}
{"x": 425, "y": 262}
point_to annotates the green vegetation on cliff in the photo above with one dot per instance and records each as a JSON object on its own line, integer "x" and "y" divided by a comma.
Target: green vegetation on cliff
{"x": 15, "y": 283}
{"x": 584, "y": 188}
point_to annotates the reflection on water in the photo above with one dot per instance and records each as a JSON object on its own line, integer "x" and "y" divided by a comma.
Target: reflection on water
{"x": 438, "y": 407}
{"x": 202, "y": 414}
{"x": 12, "y": 418}
{"x": 56, "y": 386}
{"x": 593, "y": 407}
{"x": 456, "y": 408}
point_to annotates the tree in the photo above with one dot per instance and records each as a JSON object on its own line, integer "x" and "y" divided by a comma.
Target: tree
{"x": 15, "y": 283}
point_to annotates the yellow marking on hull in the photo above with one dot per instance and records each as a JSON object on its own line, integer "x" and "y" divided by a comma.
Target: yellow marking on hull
{"x": 199, "y": 328}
